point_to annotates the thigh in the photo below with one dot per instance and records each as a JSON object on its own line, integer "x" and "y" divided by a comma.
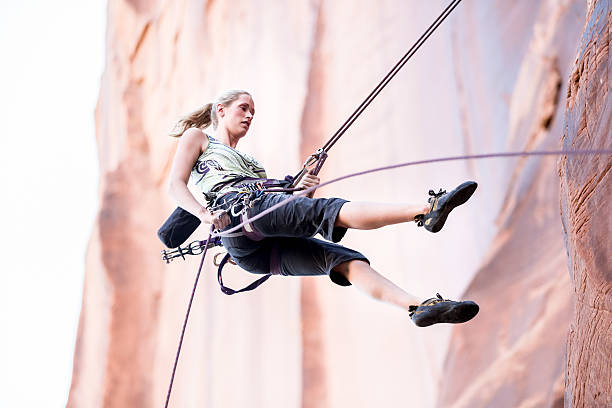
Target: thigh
{"x": 252, "y": 256}
{"x": 309, "y": 256}
{"x": 289, "y": 231}
{"x": 302, "y": 217}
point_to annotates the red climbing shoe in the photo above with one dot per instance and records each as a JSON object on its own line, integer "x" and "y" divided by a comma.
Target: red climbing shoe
{"x": 439, "y": 310}
{"x": 442, "y": 203}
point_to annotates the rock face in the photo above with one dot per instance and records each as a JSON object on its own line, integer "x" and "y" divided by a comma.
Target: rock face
{"x": 489, "y": 80}
{"x": 586, "y": 191}
{"x": 512, "y": 355}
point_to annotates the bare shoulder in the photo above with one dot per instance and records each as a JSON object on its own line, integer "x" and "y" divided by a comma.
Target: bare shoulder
{"x": 195, "y": 137}
{"x": 194, "y": 134}
{"x": 190, "y": 147}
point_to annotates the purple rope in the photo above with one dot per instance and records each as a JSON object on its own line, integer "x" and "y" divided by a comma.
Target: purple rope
{"x": 414, "y": 163}
{"x": 351, "y": 175}
{"x": 178, "y": 352}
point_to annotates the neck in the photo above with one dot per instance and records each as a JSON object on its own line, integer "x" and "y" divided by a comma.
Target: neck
{"x": 226, "y": 138}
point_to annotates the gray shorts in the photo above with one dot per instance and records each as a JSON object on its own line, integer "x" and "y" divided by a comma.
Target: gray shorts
{"x": 289, "y": 233}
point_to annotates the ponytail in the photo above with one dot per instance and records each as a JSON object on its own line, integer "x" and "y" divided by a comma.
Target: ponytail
{"x": 201, "y": 118}
{"x": 207, "y": 115}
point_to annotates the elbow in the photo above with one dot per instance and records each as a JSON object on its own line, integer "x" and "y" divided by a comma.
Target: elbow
{"x": 170, "y": 187}
{"x": 173, "y": 185}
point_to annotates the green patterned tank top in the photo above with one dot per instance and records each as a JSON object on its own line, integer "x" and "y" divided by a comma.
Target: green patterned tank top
{"x": 220, "y": 168}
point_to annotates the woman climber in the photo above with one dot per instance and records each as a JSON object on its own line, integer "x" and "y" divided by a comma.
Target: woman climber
{"x": 283, "y": 240}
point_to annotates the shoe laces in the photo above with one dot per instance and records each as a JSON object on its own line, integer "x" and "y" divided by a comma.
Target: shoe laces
{"x": 433, "y": 196}
{"x": 428, "y": 302}
{"x": 433, "y": 301}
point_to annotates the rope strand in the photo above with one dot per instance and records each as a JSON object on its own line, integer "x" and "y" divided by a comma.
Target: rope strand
{"x": 178, "y": 351}
{"x": 415, "y": 163}
{"x": 382, "y": 84}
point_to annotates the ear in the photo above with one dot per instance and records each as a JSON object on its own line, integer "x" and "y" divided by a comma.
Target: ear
{"x": 220, "y": 110}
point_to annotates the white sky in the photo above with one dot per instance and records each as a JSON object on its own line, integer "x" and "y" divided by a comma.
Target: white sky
{"x": 52, "y": 60}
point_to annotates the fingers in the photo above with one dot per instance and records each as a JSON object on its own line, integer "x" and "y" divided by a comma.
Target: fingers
{"x": 309, "y": 180}
{"x": 220, "y": 219}
{"x": 314, "y": 179}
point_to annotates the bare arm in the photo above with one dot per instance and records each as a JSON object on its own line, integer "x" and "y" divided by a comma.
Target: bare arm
{"x": 191, "y": 144}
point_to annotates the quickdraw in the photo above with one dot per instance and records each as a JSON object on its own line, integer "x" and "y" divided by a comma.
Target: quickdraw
{"x": 193, "y": 248}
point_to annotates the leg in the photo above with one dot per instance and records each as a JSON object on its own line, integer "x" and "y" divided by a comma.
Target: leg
{"x": 302, "y": 217}
{"x": 374, "y": 215}
{"x": 360, "y": 215}
{"x": 431, "y": 311}
{"x": 361, "y": 274}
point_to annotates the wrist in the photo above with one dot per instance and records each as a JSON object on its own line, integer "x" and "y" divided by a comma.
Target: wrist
{"x": 204, "y": 215}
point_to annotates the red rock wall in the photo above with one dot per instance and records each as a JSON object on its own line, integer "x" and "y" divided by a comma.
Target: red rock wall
{"x": 586, "y": 205}
{"x": 512, "y": 355}
{"x": 490, "y": 79}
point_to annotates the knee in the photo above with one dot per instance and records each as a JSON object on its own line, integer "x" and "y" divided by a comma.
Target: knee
{"x": 342, "y": 269}
{"x": 348, "y": 269}
{"x": 339, "y": 223}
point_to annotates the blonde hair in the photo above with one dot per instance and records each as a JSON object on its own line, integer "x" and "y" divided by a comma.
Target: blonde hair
{"x": 206, "y": 115}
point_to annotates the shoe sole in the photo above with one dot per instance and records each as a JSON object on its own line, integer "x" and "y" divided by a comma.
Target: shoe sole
{"x": 459, "y": 313}
{"x": 461, "y": 195}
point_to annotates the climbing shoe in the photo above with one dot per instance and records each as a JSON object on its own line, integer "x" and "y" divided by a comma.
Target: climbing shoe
{"x": 440, "y": 310}
{"x": 442, "y": 203}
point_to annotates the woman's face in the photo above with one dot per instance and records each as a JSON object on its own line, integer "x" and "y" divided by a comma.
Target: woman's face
{"x": 238, "y": 115}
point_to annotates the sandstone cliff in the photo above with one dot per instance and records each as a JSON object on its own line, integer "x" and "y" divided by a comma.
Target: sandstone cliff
{"x": 586, "y": 192}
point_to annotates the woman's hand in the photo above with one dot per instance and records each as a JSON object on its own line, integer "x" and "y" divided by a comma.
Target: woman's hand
{"x": 218, "y": 218}
{"x": 307, "y": 181}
